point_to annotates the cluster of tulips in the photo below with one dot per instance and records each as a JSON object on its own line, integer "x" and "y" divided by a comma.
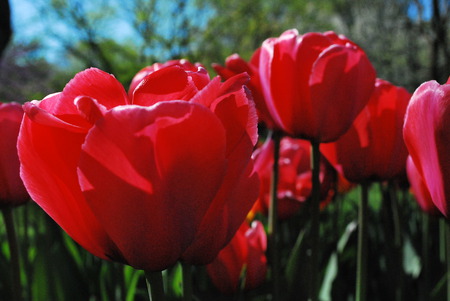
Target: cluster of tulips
{"x": 174, "y": 171}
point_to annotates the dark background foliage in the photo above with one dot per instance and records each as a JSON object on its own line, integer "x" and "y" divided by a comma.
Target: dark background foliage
{"x": 407, "y": 41}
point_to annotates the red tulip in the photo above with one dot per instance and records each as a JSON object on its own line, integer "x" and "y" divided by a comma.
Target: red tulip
{"x": 234, "y": 65}
{"x": 12, "y": 191}
{"x": 427, "y": 135}
{"x": 419, "y": 188}
{"x": 245, "y": 253}
{"x": 295, "y": 175}
{"x": 201, "y": 77}
{"x": 148, "y": 180}
{"x": 314, "y": 84}
{"x": 373, "y": 149}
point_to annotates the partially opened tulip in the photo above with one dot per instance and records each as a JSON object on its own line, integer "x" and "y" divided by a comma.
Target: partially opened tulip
{"x": 243, "y": 259}
{"x": 314, "y": 84}
{"x": 373, "y": 149}
{"x": 146, "y": 180}
{"x": 12, "y": 190}
{"x": 295, "y": 183}
{"x": 427, "y": 135}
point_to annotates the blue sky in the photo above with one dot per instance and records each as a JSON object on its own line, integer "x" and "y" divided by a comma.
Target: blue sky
{"x": 29, "y": 25}
{"x": 426, "y": 9}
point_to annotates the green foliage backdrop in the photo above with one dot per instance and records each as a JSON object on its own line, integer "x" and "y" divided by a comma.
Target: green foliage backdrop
{"x": 405, "y": 39}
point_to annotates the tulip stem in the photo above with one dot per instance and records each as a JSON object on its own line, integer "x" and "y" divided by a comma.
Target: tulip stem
{"x": 14, "y": 252}
{"x": 361, "y": 265}
{"x": 187, "y": 281}
{"x": 155, "y": 285}
{"x": 398, "y": 240}
{"x": 273, "y": 215}
{"x": 425, "y": 284}
{"x": 447, "y": 242}
{"x": 315, "y": 223}
{"x": 442, "y": 243}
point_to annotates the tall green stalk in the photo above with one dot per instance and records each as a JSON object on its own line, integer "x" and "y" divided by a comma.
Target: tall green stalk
{"x": 425, "y": 284}
{"x": 273, "y": 218}
{"x": 14, "y": 252}
{"x": 187, "y": 281}
{"x": 315, "y": 214}
{"x": 398, "y": 240}
{"x": 447, "y": 243}
{"x": 155, "y": 286}
{"x": 442, "y": 240}
{"x": 361, "y": 264}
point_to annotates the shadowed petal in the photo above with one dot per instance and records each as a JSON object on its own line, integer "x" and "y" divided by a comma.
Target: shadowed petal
{"x": 426, "y": 133}
{"x": 49, "y": 157}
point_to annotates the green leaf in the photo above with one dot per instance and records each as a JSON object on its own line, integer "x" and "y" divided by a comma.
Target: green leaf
{"x": 330, "y": 275}
{"x": 411, "y": 261}
{"x": 349, "y": 230}
{"x": 131, "y": 283}
{"x": 176, "y": 280}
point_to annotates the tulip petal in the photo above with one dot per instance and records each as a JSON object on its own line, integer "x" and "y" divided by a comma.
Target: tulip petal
{"x": 41, "y": 116}
{"x": 230, "y": 101}
{"x": 419, "y": 188}
{"x": 90, "y": 108}
{"x": 228, "y": 266}
{"x": 227, "y": 212}
{"x": 49, "y": 157}
{"x": 95, "y": 83}
{"x": 256, "y": 258}
{"x": 150, "y": 174}
{"x": 337, "y": 69}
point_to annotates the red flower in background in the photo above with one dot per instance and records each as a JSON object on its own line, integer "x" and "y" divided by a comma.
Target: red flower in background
{"x": 197, "y": 72}
{"x": 373, "y": 149}
{"x": 244, "y": 257}
{"x": 234, "y": 65}
{"x": 12, "y": 191}
{"x": 148, "y": 180}
{"x": 315, "y": 84}
{"x": 295, "y": 176}
{"x": 419, "y": 189}
{"x": 427, "y": 135}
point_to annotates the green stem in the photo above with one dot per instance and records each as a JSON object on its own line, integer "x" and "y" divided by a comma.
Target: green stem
{"x": 442, "y": 244}
{"x": 447, "y": 243}
{"x": 26, "y": 246}
{"x": 361, "y": 265}
{"x": 315, "y": 213}
{"x": 425, "y": 257}
{"x": 273, "y": 216}
{"x": 120, "y": 271}
{"x": 398, "y": 240}
{"x": 14, "y": 252}
{"x": 155, "y": 286}
{"x": 187, "y": 281}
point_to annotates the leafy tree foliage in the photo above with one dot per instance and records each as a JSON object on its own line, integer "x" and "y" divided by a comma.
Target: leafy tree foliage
{"x": 406, "y": 41}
